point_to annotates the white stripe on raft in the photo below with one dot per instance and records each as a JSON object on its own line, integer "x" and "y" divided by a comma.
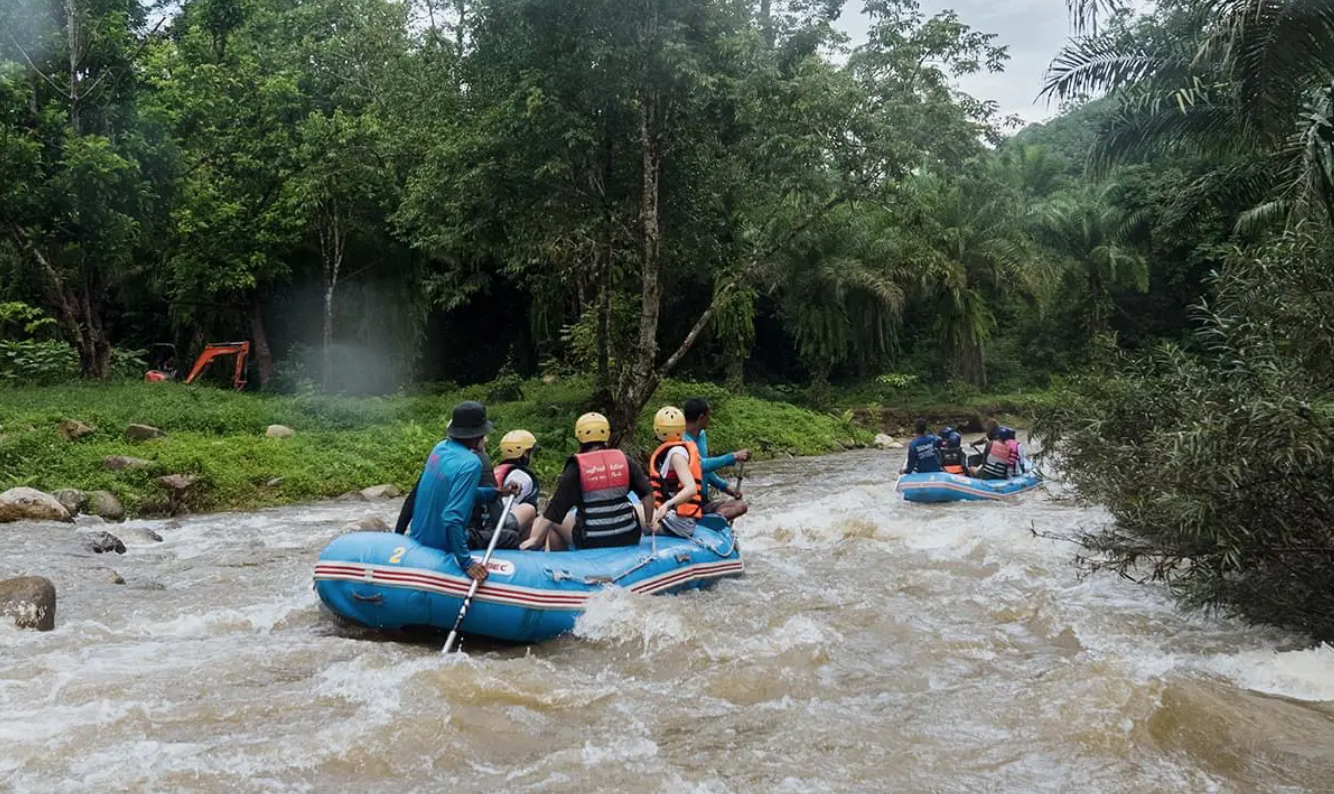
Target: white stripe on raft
{"x": 533, "y": 598}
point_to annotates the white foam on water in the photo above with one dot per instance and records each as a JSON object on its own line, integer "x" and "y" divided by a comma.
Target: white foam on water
{"x": 1301, "y": 675}
{"x": 617, "y": 616}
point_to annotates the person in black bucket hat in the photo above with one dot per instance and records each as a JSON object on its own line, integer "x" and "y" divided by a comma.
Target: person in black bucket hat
{"x": 450, "y": 486}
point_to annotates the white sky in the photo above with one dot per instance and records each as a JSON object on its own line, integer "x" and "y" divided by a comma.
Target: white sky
{"x": 1033, "y": 30}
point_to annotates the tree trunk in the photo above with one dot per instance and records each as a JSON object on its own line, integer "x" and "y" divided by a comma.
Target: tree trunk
{"x": 969, "y": 364}
{"x": 260, "y": 342}
{"x": 332, "y": 237}
{"x": 767, "y": 22}
{"x": 75, "y": 58}
{"x": 642, "y": 380}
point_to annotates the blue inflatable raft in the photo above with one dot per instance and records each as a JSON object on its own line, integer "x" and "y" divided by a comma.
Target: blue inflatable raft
{"x": 388, "y": 581}
{"x": 943, "y": 487}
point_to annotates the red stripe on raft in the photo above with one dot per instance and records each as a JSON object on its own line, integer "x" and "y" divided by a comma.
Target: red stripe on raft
{"x": 456, "y": 586}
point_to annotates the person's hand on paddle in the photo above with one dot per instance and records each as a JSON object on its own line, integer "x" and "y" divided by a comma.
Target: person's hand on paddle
{"x": 510, "y": 489}
{"x": 734, "y": 493}
{"x": 741, "y": 455}
{"x": 477, "y": 571}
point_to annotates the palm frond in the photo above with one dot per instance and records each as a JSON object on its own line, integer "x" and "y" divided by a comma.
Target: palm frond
{"x": 1097, "y": 64}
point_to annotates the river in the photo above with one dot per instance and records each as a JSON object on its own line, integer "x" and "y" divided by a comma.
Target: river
{"x": 874, "y": 645}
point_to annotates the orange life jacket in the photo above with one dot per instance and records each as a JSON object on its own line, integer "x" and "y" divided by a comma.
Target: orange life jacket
{"x": 666, "y": 485}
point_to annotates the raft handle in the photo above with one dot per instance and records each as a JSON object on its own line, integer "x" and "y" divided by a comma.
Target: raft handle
{"x": 374, "y": 599}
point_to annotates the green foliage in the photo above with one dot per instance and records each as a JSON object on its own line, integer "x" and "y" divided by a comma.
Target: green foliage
{"x": 1216, "y": 466}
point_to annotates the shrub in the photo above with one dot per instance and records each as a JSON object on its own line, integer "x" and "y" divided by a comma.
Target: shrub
{"x": 1218, "y": 468}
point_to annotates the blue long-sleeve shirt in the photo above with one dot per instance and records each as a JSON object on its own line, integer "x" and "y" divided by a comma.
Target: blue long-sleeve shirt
{"x": 923, "y": 455}
{"x": 446, "y": 492}
{"x": 709, "y": 466}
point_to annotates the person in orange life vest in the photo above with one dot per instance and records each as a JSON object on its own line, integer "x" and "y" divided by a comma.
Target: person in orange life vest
{"x": 1000, "y": 459}
{"x": 675, "y": 472}
{"x": 516, "y": 451}
{"x": 596, "y": 484}
{"x": 698, "y": 414}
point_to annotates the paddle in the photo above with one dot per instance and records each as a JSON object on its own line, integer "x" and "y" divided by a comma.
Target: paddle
{"x": 740, "y": 476}
{"x": 472, "y": 590}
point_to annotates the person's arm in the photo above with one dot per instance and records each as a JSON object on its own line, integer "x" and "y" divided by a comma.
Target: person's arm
{"x": 911, "y": 466}
{"x": 687, "y": 492}
{"x": 405, "y": 514}
{"x": 639, "y": 483}
{"x": 565, "y": 497}
{"x": 457, "y": 512}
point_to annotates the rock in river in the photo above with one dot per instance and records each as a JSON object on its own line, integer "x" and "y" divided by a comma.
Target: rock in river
{"x": 367, "y": 524}
{"x": 102, "y": 542}
{"x": 106, "y": 505}
{"x": 30, "y": 600}
{"x": 377, "y": 493}
{"x": 30, "y": 504}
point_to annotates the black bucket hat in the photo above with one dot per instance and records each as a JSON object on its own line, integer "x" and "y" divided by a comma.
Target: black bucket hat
{"x": 469, "y": 421}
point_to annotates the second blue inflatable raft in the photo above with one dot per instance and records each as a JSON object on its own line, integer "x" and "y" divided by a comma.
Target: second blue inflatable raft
{"x": 943, "y": 487}
{"x": 386, "y": 581}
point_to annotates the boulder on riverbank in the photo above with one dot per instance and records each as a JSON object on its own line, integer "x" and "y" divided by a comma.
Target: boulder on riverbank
{"x": 123, "y": 462}
{"x": 106, "y": 505}
{"x": 30, "y": 600}
{"x": 72, "y": 499}
{"x": 884, "y": 441}
{"x": 143, "y": 433}
{"x": 378, "y": 493}
{"x": 30, "y": 504}
{"x": 73, "y": 430}
{"x": 279, "y": 431}
{"x": 178, "y": 487}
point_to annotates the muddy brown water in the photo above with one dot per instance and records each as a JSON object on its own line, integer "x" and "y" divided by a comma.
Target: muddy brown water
{"x": 874, "y": 645}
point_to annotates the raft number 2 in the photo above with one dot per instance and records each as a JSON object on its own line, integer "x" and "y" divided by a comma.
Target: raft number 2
{"x": 397, "y": 556}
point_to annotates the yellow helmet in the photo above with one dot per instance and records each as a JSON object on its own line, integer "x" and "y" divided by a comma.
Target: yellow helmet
{"x": 592, "y": 427}
{"x": 516, "y": 444}
{"x": 669, "y": 424}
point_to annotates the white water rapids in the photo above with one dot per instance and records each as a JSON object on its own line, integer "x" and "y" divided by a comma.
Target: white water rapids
{"x": 874, "y": 645}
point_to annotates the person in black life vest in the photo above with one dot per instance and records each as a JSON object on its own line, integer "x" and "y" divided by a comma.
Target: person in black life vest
{"x": 952, "y": 457}
{"x": 923, "y": 451}
{"x": 676, "y": 472}
{"x": 516, "y": 451}
{"x": 596, "y": 485}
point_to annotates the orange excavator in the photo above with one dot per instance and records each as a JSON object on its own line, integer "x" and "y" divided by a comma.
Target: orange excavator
{"x": 165, "y": 368}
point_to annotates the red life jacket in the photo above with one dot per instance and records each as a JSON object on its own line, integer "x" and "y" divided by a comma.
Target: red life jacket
{"x": 666, "y": 485}
{"x": 605, "y": 511}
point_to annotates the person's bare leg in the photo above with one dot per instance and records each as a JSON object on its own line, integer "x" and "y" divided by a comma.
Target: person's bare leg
{"x": 526, "y": 515}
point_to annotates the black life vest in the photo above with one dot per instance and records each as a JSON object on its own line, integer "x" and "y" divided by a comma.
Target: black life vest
{"x": 606, "y": 516}
{"x": 952, "y": 460}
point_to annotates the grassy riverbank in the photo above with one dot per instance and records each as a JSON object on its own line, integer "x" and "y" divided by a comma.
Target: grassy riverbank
{"x": 344, "y": 443}
{"x": 341, "y": 444}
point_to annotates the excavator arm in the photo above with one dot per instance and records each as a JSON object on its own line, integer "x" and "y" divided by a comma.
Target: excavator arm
{"x": 239, "y": 349}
